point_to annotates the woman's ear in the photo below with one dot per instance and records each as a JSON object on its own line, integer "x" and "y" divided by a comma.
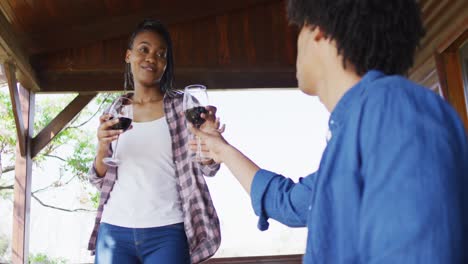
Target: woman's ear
{"x": 127, "y": 56}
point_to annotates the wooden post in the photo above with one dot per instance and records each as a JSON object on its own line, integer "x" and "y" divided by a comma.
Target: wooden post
{"x": 10, "y": 72}
{"x": 22, "y": 187}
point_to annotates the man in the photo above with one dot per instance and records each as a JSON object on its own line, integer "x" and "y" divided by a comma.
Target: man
{"x": 390, "y": 186}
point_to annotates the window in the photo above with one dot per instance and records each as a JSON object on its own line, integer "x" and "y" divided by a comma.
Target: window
{"x": 280, "y": 130}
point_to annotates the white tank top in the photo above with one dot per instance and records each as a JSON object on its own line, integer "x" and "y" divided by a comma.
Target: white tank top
{"x": 145, "y": 192}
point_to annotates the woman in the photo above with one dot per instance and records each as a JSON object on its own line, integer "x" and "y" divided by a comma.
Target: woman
{"x": 155, "y": 206}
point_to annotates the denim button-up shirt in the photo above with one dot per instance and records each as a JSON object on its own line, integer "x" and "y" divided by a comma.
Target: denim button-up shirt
{"x": 391, "y": 186}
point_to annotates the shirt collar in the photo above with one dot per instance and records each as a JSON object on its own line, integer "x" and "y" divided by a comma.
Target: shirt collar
{"x": 341, "y": 109}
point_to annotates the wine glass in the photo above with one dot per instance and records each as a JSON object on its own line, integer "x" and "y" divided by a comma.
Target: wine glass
{"x": 121, "y": 108}
{"x": 195, "y": 101}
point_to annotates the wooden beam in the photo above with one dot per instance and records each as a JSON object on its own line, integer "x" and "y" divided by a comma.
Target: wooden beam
{"x": 214, "y": 78}
{"x": 16, "y": 105}
{"x": 3, "y": 79}
{"x": 22, "y": 186}
{"x": 60, "y": 121}
{"x": 454, "y": 84}
{"x": 7, "y": 11}
{"x": 238, "y": 78}
{"x": 10, "y": 46}
{"x": 172, "y": 12}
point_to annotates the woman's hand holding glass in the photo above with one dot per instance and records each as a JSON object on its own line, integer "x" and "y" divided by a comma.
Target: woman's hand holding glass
{"x": 105, "y": 134}
{"x": 117, "y": 120}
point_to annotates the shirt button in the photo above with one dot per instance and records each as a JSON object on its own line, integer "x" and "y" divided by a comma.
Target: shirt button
{"x": 310, "y": 207}
{"x": 328, "y": 136}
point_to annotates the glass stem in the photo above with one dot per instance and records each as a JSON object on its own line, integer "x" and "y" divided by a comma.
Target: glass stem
{"x": 115, "y": 150}
{"x": 199, "y": 153}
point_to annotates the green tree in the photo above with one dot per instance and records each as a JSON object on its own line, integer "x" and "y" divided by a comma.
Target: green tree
{"x": 4, "y": 243}
{"x": 73, "y": 164}
{"x": 41, "y": 258}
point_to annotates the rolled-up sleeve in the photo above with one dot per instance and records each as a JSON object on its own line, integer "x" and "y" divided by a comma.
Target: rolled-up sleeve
{"x": 280, "y": 198}
{"x": 93, "y": 177}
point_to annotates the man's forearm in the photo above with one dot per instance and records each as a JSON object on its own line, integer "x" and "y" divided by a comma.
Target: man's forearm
{"x": 240, "y": 166}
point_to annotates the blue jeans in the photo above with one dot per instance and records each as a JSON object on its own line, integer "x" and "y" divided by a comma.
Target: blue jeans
{"x": 165, "y": 244}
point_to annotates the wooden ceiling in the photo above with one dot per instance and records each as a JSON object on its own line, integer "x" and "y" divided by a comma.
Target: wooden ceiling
{"x": 78, "y": 46}
{"x": 444, "y": 20}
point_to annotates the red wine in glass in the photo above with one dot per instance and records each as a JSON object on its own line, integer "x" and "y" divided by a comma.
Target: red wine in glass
{"x": 121, "y": 108}
{"x": 195, "y": 101}
{"x": 193, "y": 115}
{"x": 123, "y": 124}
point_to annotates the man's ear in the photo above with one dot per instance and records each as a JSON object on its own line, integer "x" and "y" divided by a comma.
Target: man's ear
{"x": 318, "y": 34}
{"x": 127, "y": 56}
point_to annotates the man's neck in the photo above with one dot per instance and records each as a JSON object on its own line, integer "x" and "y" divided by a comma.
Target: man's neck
{"x": 334, "y": 84}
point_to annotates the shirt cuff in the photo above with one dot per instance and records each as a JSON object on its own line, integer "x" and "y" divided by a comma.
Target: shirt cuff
{"x": 93, "y": 177}
{"x": 259, "y": 186}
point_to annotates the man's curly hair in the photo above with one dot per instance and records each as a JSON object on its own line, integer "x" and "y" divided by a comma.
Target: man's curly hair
{"x": 370, "y": 34}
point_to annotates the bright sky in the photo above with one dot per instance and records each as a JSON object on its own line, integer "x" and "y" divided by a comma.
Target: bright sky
{"x": 282, "y": 130}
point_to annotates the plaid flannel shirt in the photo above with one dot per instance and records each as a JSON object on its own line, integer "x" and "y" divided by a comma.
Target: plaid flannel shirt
{"x": 200, "y": 219}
